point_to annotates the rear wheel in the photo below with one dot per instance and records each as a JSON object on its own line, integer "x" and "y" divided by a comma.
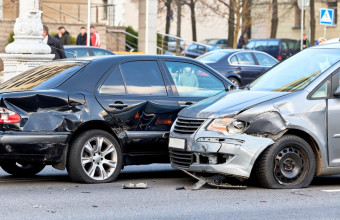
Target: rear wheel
{"x": 289, "y": 163}
{"x": 235, "y": 81}
{"x": 95, "y": 157}
{"x": 22, "y": 169}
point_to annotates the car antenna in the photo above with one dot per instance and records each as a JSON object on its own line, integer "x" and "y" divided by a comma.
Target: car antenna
{"x": 74, "y": 55}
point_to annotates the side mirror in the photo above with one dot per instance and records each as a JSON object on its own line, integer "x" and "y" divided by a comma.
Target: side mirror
{"x": 337, "y": 92}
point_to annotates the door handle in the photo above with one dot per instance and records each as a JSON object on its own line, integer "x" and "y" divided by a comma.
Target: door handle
{"x": 118, "y": 105}
{"x": 185, "y": 104}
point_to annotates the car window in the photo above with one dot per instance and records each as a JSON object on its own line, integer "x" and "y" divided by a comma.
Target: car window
{"x": 273, "y": 44}
{"x": 143, "y": 78}
{"x": 77, "y": 52}
{"x": 233, "y": 60}
{"x": 265, "y": 60}
{"x": 284, "y": 45}
{"x": 98, "y": 52}
{"x": 192, "y": 47}
{"x": 43, "y": 77}
{"x": 250, "y": 45}
{"x": 193, "y": 81}
{"x": 322, "y": 91}
{"x": 261, "y": 44}
{"x": 245, "y": 59}
{"x": 113, "y": 84}
{"x": 202, "y": 49}
{"x": 213, "y": 56}
{"x": 292, "y": 45}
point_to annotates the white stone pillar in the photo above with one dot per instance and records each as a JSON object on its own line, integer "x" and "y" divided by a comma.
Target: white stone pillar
{"x": 28, "y": 50}
{"x": 147, "y": 30}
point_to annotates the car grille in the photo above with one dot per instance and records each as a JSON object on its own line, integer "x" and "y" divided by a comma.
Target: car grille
{"x": 187, "y": 126}
{"x": 180, "y": 159}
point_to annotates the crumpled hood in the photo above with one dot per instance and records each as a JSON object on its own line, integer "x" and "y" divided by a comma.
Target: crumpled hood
{"x": 231, "y": 102}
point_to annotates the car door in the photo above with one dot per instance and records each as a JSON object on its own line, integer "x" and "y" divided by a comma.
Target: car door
{"x": 192, "y": 82}
{"x": 136, "y": 96}
{"x": 246, "y": 67}
{"x": 333, "y": 121}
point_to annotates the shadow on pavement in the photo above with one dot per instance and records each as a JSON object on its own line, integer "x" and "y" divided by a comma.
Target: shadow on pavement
{"x": 326, "y": 180}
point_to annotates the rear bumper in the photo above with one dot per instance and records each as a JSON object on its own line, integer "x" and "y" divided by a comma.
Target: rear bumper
{"x": 45, "y": 147}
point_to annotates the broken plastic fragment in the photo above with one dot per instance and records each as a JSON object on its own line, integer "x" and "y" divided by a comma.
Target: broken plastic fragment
{"x": 135, "y": 186}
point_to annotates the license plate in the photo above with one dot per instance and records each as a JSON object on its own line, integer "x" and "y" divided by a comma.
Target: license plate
{"x": 177, "y": 143}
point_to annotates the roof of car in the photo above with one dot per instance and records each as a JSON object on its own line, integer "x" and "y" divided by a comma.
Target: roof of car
{"x": 333, "y": 44}
{"x": 129, "y": 57}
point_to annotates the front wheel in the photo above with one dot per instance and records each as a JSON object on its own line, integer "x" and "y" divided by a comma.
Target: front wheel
{"x": 22, "y": 169}
{"x": 95, "y": 157}
{"x": 289, "y": 163}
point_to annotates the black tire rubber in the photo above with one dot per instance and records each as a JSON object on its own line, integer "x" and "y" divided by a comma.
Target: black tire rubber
{"x": 74, "y": 167}
{"x": 265, "y": 166}
{"x": 238, "y": 84}
{"x": 21, "y": 169}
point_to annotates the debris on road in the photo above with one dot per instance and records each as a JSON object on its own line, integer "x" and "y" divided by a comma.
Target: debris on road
{"x": 215, "y": 181}
{"x": 180, "y": 188}
{"x": 36, "y": 206}
{"x": 135, "y": 186}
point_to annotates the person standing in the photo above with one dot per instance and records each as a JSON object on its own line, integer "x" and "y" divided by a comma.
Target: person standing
{"x": 63, "y": 36}
{"x": 95, "y": 39}
{"x": 305, "y": 42}
{"x": 56, "y": 47}
{"x": 82, "y": 37}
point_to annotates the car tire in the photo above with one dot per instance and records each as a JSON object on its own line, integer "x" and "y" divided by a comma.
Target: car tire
{"x": 89, "y": 164}
{"x": 235, "y": 81}
{"x": 21, "y": 169}
{"x": 289, "y": 163}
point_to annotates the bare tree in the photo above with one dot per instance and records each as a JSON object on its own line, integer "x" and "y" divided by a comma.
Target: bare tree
{"x": 275, "y": 19}
{"x": 192, "y": 6}
{"x": 238, "y": 14}
{"x": 179, "y": 20}
{"x": 312, "y": 23}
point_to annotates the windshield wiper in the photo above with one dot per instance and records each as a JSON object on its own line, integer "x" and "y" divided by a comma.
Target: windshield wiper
{"x": 246, "y": 86}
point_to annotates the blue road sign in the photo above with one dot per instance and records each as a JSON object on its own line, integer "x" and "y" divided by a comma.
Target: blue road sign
{"x": 326, "y": 16}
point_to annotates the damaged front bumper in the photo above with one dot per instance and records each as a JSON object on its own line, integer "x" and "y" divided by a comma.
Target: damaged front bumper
{"x": 213, "y": 152}
{"x": 46, "y": 147}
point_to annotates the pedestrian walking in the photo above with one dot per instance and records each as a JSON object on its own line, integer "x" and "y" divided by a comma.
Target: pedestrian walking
{"x": 56, "y": 47}
{"x": 95, "y": 39}
{"x": 63, "y": 36}
{"x": 82, "y": 37}
{"x": 305, "y": 42}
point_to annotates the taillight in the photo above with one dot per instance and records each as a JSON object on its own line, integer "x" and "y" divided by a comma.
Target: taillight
{"x": 8, "y": 116}
{"x": 279, "y": 57}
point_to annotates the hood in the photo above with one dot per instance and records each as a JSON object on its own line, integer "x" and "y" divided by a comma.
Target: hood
{"x": 231, "y": 102}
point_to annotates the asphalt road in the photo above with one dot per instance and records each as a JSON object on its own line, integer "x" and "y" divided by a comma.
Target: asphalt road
{"x": 51, "y": 195}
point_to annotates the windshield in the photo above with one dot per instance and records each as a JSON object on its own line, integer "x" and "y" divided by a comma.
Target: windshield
{"x": 212, "y": 56}
{"x": 297, "y": 72}
{"x": 42, "y": 77}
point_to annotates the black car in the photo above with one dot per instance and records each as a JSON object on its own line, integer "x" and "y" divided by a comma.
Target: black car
{"x": 96, "y": 115}
{"x": 239, "y": 66}
{"x": 281, "y": 49}
{"x": 85, "y": 51}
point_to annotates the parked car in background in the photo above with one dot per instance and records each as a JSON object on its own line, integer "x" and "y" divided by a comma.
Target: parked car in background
{"x": 283, "y": 129}
{"x": 96, "y": 115}
{"x": 196, "y": 50}
{"x": 85, "y": 51}
{"x": 281, "y": 49}
{"x": 172, "y": 43}
{"x": 222, "y": 43}
{"x": 241, "y": 67}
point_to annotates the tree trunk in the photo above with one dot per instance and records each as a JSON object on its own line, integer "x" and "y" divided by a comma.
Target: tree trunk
{"x": 247, "y": 19}
{"x": 231, "y": 23}
{"x": 312, "y": 23}
{"x": 168, "y": 13}
{"x": 237, "y": 29}
{"x": 275, "y": 19}
{"x": 179, "y": 15}
{"x": 193, "y": 20}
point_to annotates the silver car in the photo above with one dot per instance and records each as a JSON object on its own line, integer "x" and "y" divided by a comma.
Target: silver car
{"x": 284, "y": 128}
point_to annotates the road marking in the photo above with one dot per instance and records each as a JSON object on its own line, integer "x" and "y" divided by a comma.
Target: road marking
{"x": 331, "y": 190}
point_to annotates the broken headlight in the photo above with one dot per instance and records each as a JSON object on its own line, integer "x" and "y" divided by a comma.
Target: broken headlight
{"x": 227, "y": 126}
